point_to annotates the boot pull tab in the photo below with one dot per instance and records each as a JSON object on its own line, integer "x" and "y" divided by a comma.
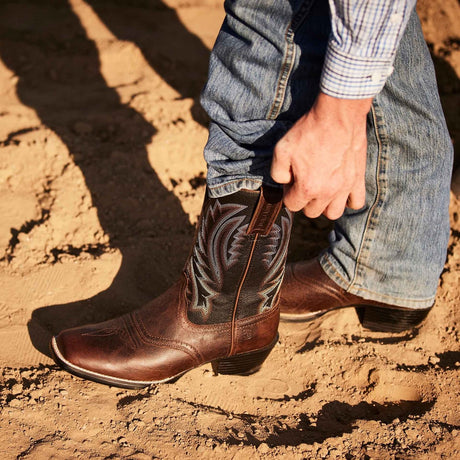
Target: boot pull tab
{"x": 267, "y": 210}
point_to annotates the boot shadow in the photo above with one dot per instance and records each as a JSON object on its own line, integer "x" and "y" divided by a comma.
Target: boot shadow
{"x": 58, "y": 71}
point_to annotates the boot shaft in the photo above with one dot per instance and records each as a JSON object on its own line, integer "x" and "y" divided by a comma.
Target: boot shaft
{"x": 237, "y": 262}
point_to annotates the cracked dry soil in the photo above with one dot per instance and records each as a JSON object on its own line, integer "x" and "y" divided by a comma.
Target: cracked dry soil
{"x": 101, "y": 182}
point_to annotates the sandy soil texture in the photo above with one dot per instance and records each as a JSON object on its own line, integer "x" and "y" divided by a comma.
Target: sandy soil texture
{"x": 101, "y": 181}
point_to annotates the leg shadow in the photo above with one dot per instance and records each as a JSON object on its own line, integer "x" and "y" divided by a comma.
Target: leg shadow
{"x": 176, "y": 54}
{"x": 58, "y": 71}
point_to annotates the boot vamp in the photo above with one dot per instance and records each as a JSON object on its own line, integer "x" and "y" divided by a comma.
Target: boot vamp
{"x": 153, "y": 343}
{"x": 111, "y": 349}
{"x": 307, "y": 289}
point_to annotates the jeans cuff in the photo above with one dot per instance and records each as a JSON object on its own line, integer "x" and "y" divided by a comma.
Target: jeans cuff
{"x": 227, "y": 187}
{"x": 329, "y": 266}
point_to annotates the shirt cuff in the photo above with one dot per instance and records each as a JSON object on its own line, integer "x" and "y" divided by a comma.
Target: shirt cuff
{"x": 350, "y": 77}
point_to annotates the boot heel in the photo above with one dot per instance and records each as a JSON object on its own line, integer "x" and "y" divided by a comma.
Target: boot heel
{"x": 387, "y": 319}
{"x": 244, "y": 363}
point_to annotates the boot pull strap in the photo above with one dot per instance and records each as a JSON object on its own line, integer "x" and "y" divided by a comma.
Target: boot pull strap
{"x": 267, "y": 210}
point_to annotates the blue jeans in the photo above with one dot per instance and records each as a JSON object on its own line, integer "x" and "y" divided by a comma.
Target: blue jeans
{"x": 264, "y": 74}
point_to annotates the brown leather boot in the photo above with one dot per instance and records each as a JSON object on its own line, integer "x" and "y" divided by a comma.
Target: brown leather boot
{"x": 223, "y": 310}
{"x": 307, "y": 292}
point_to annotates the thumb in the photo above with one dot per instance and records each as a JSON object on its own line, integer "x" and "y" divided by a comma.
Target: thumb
{"x": 281, "y": 166}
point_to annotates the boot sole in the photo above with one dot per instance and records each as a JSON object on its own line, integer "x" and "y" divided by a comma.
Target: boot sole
{"x": 242, "y": 364}
{"x": 377, "y": 319}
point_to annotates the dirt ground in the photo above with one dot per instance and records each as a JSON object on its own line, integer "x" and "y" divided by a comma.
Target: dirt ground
{"x": 101, "y": 181}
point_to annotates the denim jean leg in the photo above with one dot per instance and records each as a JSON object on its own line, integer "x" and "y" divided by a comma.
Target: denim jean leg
{"x": 255, "y": 75}
{"x": 394, "y": 249}
{"x": 264, "y": 74}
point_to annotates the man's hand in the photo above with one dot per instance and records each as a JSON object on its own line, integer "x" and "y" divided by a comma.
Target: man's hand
{"x": 322, "y": 158}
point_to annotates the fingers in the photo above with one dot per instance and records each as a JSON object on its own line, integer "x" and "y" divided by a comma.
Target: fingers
{"x": 281, "y": 166}
{"x": 332, "y": 209}
{"x": 322, "y": 167}
{"x": 314, "y": 208}
{"x": 357, "y": 197}
{"x": 293, "y": 198}
{"x": 336, "y": 207}
{"x": 313, "y": 201}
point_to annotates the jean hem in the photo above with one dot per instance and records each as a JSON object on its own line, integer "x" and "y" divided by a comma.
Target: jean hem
{"x": 235, "y": 185}
{"x": 334, "y": 273}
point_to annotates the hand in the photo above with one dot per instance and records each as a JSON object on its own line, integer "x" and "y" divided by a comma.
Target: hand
{"x": 322, "y": 158}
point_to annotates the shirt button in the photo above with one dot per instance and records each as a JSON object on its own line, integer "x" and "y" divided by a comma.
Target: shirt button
{"x": 375, "y": 77}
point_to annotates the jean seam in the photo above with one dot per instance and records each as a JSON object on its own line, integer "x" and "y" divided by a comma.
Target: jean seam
{"x": 286, "y": 69}
{"x": 374, "y": 211}
{"x": 288, "y": 61}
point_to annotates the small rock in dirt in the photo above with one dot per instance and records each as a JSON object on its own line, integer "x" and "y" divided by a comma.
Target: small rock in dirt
{"x": 15, "y": 403}
{"x": 17, "y": 389}
{"x": 433, "y": 360}
{"x": 263, "y": 448}
{"x": 35, "y": 394}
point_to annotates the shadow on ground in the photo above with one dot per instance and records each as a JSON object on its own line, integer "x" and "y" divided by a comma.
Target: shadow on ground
{"x": 58, "y": 70}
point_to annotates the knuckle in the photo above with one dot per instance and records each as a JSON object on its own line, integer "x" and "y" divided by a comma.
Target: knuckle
{"x": 312, "y": 214}
{"x": 292, "y": 206}
{"x": 291, "y": 203}
{"x": 333, "y": 214}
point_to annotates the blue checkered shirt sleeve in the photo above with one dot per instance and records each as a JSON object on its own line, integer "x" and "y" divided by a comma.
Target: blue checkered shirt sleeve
{"x": 362, "y": 46}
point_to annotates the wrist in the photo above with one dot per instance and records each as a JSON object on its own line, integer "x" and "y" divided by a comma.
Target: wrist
{"x": 345, "y": 110}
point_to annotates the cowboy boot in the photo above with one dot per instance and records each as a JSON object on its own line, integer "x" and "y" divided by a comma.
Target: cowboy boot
{"x": 223, "y": 310}
{"x": 307, "y": 293}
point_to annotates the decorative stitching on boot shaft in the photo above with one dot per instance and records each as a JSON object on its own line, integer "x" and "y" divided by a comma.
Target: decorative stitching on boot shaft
{"x": 221, "y": 273}
{"x": 219, "y": 246}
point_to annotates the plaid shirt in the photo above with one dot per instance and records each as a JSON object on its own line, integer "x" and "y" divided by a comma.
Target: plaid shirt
{"x": 362, "y": 46}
